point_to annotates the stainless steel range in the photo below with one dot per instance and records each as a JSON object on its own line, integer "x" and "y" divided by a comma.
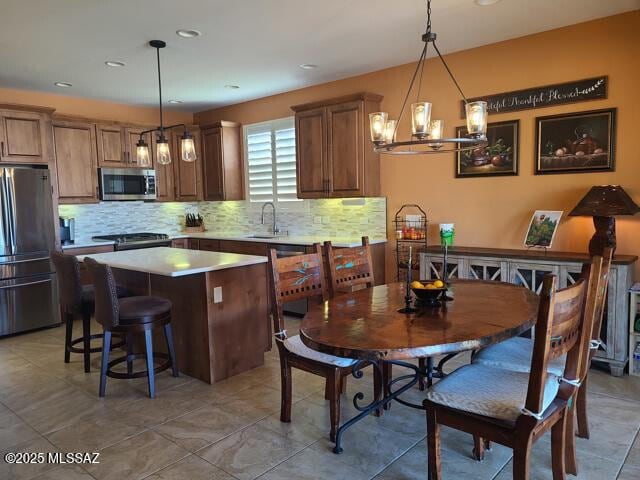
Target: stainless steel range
{"x": 132, "y": 241}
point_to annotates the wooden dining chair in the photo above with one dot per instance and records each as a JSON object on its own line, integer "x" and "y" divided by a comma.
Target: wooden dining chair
{"x": 350, "y": 269}
{"x": 515, "y": 408}
{"x": 295, "y": 278}
{"x": 516, "y": 353}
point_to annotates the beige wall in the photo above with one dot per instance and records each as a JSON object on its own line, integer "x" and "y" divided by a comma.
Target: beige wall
{"x": 96, "y": 109}
{"x": 495, "y": 211}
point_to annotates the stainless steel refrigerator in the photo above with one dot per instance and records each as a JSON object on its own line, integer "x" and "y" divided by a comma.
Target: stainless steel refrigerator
{"x": 28, "y": 295}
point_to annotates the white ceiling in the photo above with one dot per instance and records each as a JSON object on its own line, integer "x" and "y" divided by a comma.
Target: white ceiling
{"x": 256, "y": 44}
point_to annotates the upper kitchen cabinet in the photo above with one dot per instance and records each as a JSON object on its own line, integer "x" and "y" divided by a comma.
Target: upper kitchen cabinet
{"x": 187, "y": 175}
{"x": 222, "y": 167}
{"x": 333, "y": 152}
{"x": 117, "y": 145}
{"x": 23, "y": 136}
{"x": 75, "y": 161}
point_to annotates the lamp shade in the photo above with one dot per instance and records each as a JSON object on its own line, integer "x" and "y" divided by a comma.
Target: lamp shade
{"x": 605, "y": 201}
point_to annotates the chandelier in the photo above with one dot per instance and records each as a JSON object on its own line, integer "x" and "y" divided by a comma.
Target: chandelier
{"x": 163, "y": 153}
{"x": 427, "y": 135}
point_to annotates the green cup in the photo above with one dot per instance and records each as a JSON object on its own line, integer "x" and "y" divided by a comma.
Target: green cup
{"x": 447, "y": 234}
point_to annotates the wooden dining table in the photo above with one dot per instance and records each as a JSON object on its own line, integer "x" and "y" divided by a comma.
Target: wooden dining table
{"x": 369, "y": 325}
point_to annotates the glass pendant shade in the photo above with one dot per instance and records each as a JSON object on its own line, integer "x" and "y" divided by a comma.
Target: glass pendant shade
{"x": 142, "y": 154}
{"x": 390, "y": 131}
{"x": 436, "y": 132}
{"x": 377, "y": 122}
{"x": 476, "y": 118}
{"x": 163, "y": 155}
{"x": 188, "y": 148}
{"x": 420, "y": 117}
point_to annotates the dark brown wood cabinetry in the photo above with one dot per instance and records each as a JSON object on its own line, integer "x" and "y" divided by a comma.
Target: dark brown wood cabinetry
{"x": 334, "y": 155}
{"x": 23, "y": 136}
{"x": 76, "y": 161}
{"x": 187, "y": 175}
{"x": 222, "y": 166}
{"x": 117, "y": 145}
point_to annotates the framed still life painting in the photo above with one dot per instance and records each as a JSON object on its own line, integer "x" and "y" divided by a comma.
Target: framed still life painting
{"x": 576, "y": 142}
{"x": 499, "y": 157}
{"x": 542, "y": 228}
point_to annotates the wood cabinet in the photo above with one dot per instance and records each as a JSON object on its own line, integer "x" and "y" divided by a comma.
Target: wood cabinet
{"x": 75, "y": 161}
{"x": 333, "y": 153}
{"x": 243, "y": 247}
{"x": 187, "y": 175}
{"x": 528, "y": 268}
{"x": 222, "y": 166}
{"x": 23, "y": 136}
{"x": 117, "y": 145}
{"x": 208, "y": 244}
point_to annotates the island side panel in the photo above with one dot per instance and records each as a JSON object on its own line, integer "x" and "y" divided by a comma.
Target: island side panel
{"x": 239, "y": 330}
{"x": 190, "y": 318}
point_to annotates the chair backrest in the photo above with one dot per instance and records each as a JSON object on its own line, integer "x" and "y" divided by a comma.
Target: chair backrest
{"x": 565, "y": 321}
{"x": 107, "y": 311}
{"x": 349, "y": 267}
{"x": 69, "y": 285}
{"x": 601, "y": 299}
{"x": 294, "y": 278}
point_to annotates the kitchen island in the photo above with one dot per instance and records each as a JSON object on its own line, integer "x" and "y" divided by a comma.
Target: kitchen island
{"x": 220, "y": 317}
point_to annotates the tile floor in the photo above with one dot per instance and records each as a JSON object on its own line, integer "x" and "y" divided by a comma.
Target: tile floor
{"x": 232, "y": 430}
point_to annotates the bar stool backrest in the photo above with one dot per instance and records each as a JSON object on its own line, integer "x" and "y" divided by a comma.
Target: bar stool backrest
{"x": 69, "y": 286}
{"x": 107, "y": 306}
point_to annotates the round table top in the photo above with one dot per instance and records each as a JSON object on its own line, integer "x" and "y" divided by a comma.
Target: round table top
{"x": 367, "y": 325}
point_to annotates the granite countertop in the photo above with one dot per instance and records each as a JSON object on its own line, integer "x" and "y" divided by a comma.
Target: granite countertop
{"x": 243, "y": 237}
{"x": 174, "y": 262}
{"x": 285, "y": 239}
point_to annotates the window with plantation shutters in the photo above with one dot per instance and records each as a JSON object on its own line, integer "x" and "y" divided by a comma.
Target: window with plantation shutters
{"x": 271, "y": 161}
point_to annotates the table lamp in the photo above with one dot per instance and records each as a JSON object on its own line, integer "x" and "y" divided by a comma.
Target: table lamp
{"x": 603, "y": 203}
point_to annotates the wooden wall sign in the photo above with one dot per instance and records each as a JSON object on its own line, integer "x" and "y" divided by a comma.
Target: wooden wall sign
{"x": 546, "y": 96}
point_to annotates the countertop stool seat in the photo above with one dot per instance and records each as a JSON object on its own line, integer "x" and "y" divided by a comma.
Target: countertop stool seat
{"x": 78, "y": 300}
{"x": 129, "y": 316}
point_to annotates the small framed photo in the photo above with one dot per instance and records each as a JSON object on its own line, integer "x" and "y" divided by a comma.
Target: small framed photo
{"x": 542, "y": 228}
{"x": 499, "y": 157}
{"x": 576, "y": 142}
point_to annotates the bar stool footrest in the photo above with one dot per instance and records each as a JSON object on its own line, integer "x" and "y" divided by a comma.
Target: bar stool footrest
{"x": 138, "y": 356}
{"x": 95, "y": 336}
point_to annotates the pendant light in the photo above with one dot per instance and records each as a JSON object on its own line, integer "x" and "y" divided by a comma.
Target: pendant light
{"x": 163, "y": 152}
{"x": 427, "y": 135}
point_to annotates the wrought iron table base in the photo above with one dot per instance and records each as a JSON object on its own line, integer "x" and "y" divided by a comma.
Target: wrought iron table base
{"x": 429, "y": 372}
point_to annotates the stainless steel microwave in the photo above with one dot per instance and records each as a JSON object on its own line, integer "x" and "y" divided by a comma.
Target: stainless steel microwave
{"x": 127, "y": 184}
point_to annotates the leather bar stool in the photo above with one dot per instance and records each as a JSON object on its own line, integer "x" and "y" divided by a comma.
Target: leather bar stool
{"x": 129, "y": 316}
{"x": 77, "y": 300}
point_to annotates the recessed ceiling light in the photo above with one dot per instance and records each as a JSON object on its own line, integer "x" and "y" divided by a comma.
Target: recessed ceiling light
{"x": 232, "y": 87}
{"x": 114, "y": 63}
{"x": 63, "y": 84}
{"x": 485, "y": 3}
{"x": 185, "y": 33}
{"x": 308, "y": 66}
{"x": 175, "y": 101}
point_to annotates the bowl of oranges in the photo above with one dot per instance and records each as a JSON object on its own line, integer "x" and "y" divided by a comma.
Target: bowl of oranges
{"x": 428, "y": 291}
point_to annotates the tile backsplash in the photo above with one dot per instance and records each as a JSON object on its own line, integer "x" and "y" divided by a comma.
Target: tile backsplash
{"x": 331, "y": 217}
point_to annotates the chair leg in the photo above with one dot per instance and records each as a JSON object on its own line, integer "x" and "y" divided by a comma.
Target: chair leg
{"x": 285, "y": 396}
{"x": 571, "y": 463}
{"x": 434, "y": 453}
{"x": 521, "y": 453}
{"x": 422, "y": 364}
{"x": 343, "y": 385}
{"x": 172, "y": 352}
{"x": 478, "y": 448}
{"x": 387, "y": 375}
{"x": 558, "y": 447}
{"x": 333, "y": 386}
{"x": 106, "y": 342}
{"x": 581, "y": 409}
{"x": 67, "y": 336}
{"x": 129, "y": 341}
{"x": 148, "y": 340}
{"x": 86, "y": 341}
{"x": 378, "y": 390}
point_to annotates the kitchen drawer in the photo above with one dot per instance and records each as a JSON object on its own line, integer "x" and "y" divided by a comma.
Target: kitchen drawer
{"x": 245, "y": 248}
{"x": 209, "y": 245}
{"x": 180, "y": 243}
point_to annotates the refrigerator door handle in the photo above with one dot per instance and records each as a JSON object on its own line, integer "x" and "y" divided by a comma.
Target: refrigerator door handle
{"x": 5, "y": 242}
{"x": 7, "y": 287}
{"x": 10, "y": 199}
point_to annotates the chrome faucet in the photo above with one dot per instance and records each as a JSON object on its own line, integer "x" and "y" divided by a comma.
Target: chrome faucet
{"x": 274, "y": 229}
